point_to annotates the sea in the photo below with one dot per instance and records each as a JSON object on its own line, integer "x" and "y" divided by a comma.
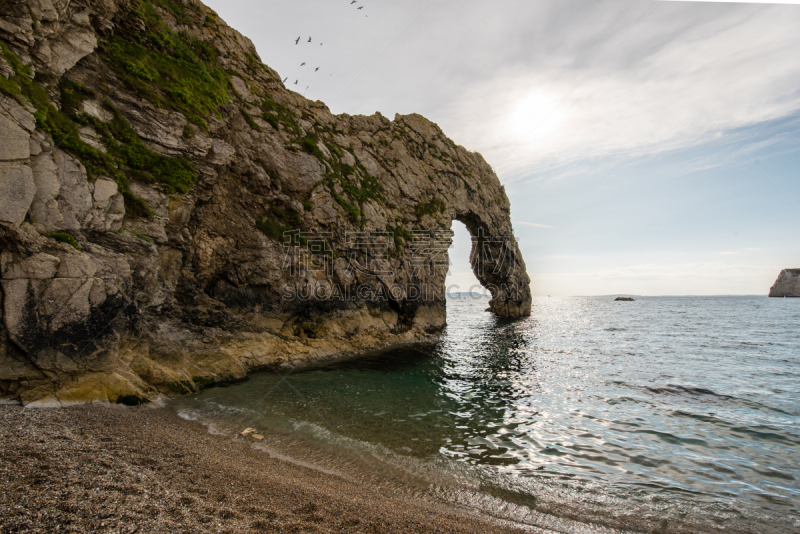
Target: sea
{"x": 666, "y": 414}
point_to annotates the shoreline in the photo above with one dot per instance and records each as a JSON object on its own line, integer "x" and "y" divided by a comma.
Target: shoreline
{"x": 96, "y": 468}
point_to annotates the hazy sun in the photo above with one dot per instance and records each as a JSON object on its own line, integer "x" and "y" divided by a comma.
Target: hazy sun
{"x": 534, "y": 115}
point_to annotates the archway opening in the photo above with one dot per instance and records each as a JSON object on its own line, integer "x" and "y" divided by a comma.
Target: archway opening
{"x": 460, "y": 278}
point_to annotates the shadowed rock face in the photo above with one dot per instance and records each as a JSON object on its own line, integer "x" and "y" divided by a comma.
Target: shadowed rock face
{"x": 787, "y": 284}
{"x": 171, "y": 215}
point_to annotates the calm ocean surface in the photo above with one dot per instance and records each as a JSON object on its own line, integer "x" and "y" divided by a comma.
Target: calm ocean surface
{"x": 660, "y": 415}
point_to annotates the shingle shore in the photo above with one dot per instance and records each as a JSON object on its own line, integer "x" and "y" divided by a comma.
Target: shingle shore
{"x": 98, "y": 469}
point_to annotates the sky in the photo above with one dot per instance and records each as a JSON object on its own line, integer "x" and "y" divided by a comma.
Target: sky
{"x": 648, "y": 147}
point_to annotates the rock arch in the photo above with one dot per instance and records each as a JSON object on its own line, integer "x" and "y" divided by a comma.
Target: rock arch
{"x": 498, "y": 265}
{"x": 117, "y": 288}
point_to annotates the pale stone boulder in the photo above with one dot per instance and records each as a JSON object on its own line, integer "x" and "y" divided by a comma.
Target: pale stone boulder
{"x": 221, "y": 152}
{"x": 82, "y": 18}
{"x": 75, "y": 199}
{"x": 14, "y": 143}
{"x": 108, "y": 206}
{"x": 301, "y": 172}
{"x": 48, "y": 216}
{"x": 90, "y": 136}
{"x": 77, "y": 266}
{"x": 241, "y": 89}
{"x": 44, "y": 208}
{"x": 324, "y": 149}
{"x": 36, "y": 267}
{"x": 374, "y": 214}
{"x": 43, "y": 10}
{"x": 96, "y": 110}
{"x": 34, "y": 146}
{"x": 14, "y": 111}
{"x": 17, "y": 190}
{"x": 45, "y": 175}
{"x": 104, "y": 190}
{"x": 323, "y": 211}
{"x": 71, "y": 47}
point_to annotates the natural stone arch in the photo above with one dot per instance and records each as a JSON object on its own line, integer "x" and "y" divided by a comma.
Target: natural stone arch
{"x": 201, "y": 285}
{"x": 498, "y": 265}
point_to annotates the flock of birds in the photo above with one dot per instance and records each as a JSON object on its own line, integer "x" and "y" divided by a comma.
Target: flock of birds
{"x": 300, "y": 37}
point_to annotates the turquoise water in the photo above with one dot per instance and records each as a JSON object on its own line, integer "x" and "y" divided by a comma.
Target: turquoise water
{"x": 660, "y": 415}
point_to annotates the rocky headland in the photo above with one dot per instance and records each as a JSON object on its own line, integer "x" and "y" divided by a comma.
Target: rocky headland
{"x": 787, "y": 284}
{"x": 173, "y": 217}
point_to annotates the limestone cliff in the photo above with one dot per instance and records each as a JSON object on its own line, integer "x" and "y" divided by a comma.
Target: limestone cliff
{"x": 172, "y": 216}
{"x": 787, "y": 284}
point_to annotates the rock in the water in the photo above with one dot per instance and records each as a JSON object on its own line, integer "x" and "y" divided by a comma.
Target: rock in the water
{"x": 247, "y": 431}
{"x": 787, "y": 284}
{"x": 623, "y": 299}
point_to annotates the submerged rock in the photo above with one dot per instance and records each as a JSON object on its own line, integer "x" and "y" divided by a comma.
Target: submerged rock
{"x": 161, "y": 233}
{"x": 787, "y": 284}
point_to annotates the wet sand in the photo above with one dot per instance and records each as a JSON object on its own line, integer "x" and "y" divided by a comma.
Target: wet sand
{"x": 110, "y": 469}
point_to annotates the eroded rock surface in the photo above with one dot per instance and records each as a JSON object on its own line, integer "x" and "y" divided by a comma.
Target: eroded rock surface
{"x": 787, "y": 284}
{"x": 161, "y": 232}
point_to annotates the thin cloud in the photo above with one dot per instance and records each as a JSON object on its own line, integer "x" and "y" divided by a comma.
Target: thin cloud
{"x": 687, "y": 74}
{"x": 691, "y": 74}
{"x": 533, "y": 225}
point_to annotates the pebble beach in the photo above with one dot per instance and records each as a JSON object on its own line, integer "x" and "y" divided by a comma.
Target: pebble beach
{"x": 125, "y": 470}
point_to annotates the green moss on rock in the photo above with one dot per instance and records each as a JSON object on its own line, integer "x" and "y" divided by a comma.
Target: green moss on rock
{"x": 63, "y": 237}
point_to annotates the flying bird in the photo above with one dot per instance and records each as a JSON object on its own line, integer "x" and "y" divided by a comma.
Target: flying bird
{"x": 353, "y": 2}
{"x": 315, "y": 70}
{"x": 284, "y": 80}
{"x": 362, "y": 7}
{"x": 309, "y": 39}
{"x": 303, "y": 63}
{"x": 297, "y": 41}
{"x": 295, "y": 82}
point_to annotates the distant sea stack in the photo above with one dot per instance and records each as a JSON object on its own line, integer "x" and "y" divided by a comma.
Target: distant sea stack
{"x": 787, "y": 284}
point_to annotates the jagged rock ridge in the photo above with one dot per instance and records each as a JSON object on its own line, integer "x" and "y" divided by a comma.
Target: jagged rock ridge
{"x": 172, "y": 216}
